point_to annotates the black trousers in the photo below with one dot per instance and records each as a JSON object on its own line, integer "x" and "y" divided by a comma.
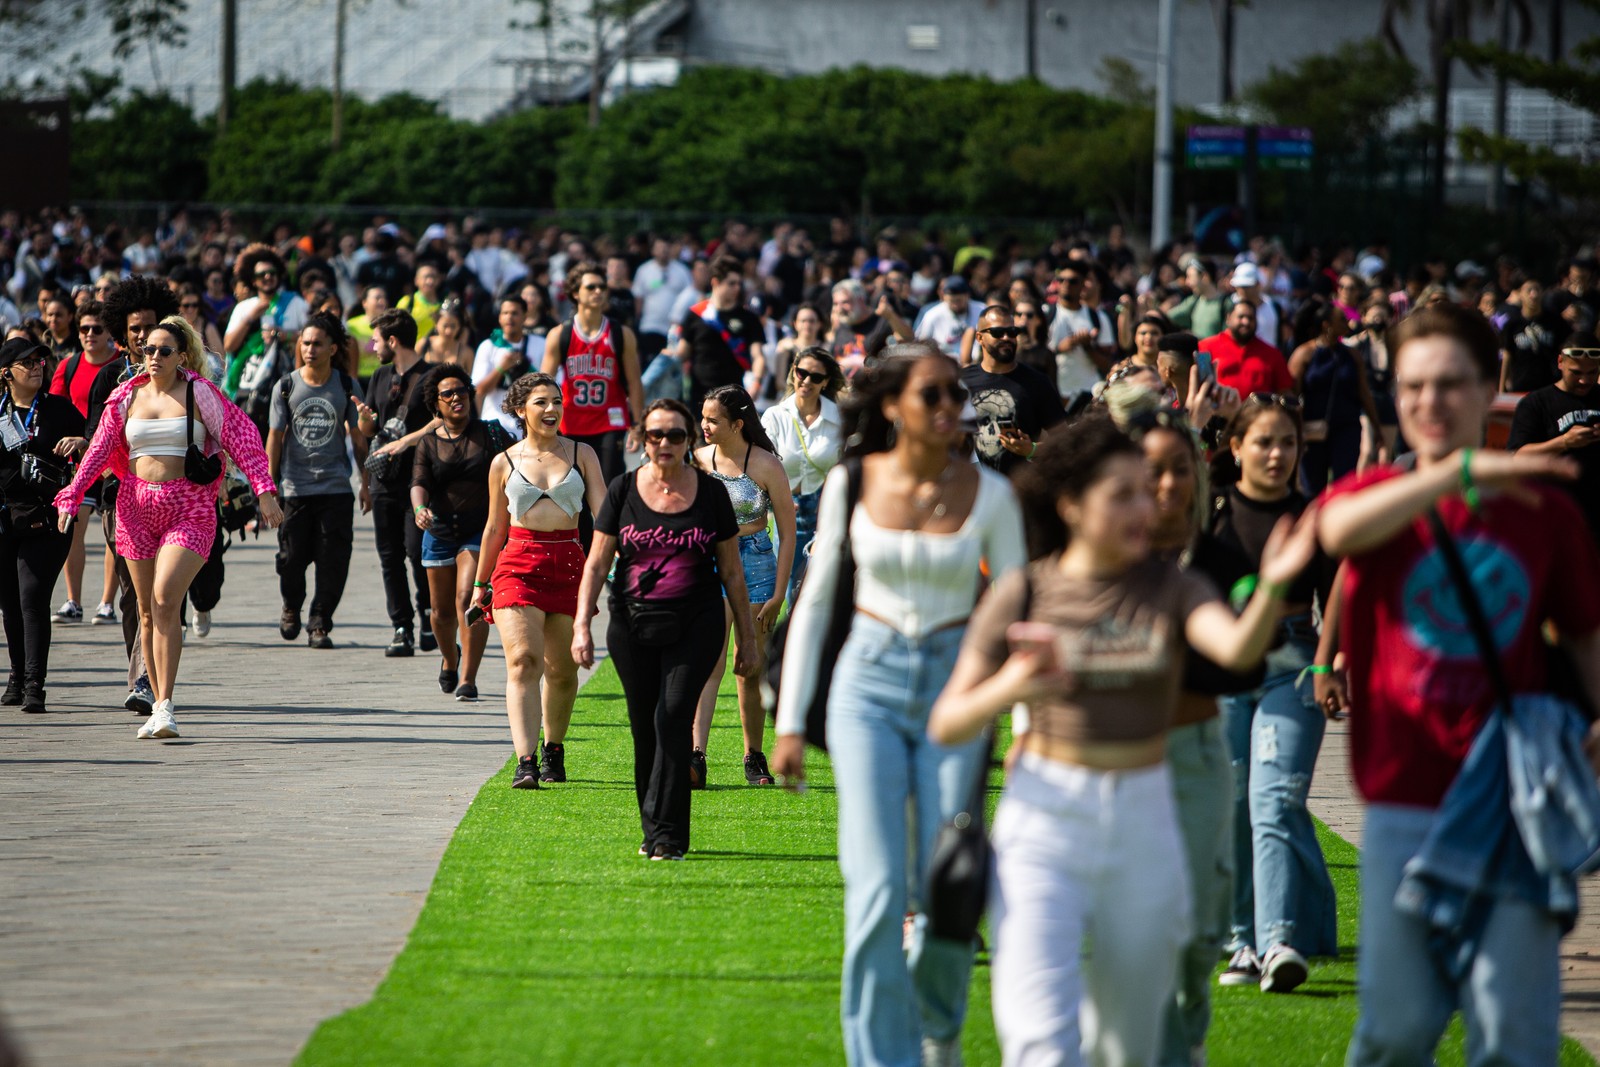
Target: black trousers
{"x": 316, "y": 529}
{"x": 609, "y": 447}
{"x": 399, "y": 545}
{"x": 206, "y": 589}
{"x": 662, "y": 688}
{"x": 30, "y": 562}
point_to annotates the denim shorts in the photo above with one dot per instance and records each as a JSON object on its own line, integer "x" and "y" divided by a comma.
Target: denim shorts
{"x": 441, "y": 551}
{"x": 760, "y": 567}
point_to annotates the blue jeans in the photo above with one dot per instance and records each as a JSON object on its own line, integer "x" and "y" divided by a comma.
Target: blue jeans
{"x": 1510, "y": 998}
{"x": 760, "y": 565}
{"x": 805, "y": 530}
{"x": 883, "y": 687}
{"x": 1281, "y": 889}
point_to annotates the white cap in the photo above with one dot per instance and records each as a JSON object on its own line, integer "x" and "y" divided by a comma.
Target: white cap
{"x": 1245, "y": 276}
{"x": 1370, "y": 266}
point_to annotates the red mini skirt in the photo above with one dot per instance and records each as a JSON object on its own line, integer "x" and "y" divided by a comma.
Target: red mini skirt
{"x": 539, "y": 569}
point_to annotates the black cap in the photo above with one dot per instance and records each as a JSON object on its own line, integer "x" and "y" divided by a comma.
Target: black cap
{"x": 19, "y": 348}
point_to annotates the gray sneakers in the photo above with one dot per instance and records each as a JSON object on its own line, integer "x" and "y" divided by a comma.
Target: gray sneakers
{"x": 1242, "y": 969}
{"x": 1282, "y": 969}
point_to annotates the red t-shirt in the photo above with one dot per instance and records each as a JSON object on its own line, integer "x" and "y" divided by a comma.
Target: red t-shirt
{"x": 82, "y": 379}
{"x": 1253, "y": 368}
{"x": 1418, "y": 691}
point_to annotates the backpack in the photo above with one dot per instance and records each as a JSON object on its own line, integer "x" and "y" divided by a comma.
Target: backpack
{"x": 840, "y": 615}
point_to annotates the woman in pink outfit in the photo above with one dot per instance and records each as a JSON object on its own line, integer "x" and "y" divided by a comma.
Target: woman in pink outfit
{"x": 159, "y": 433}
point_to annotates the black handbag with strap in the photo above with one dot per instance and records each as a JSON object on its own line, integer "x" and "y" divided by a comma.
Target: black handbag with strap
{"x": 198, "y": 467}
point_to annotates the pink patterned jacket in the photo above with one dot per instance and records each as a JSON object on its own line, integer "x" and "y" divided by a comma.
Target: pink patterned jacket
{"x": 227, "y": 430}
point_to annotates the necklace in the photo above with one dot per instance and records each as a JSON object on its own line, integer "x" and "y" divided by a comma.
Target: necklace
{"x": 925, "y": 495}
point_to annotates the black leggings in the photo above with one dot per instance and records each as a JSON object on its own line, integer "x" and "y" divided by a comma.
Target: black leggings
{"x": 662, "y": 688}
{"x": 30, "y": 561}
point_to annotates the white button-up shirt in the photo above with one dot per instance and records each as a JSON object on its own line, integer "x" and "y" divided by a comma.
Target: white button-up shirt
{"x": 808, "y": 452}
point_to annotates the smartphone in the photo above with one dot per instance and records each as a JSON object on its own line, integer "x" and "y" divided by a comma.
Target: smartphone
{"x": 1208, "y": 367}
{"x": 474, "y": 615}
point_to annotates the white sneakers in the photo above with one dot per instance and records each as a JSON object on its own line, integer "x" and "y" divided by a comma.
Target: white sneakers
{"x": 105, "y": 614}
{"x": 160, "y": 723}
{"x": 202, "y": 623}
{"x": 941, "y": 1053}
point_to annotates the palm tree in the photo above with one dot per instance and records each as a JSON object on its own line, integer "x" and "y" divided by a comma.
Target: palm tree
{"x": 1449, "y": 21}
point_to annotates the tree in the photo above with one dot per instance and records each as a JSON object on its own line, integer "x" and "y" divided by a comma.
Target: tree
{"x": 1345, "y": 98}
{"x": 1574, "y": 81}
{"x": 147, "y": 23}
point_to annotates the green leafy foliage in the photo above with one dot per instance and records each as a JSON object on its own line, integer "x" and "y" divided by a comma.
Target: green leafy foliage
{"x": 1345, "y": 97}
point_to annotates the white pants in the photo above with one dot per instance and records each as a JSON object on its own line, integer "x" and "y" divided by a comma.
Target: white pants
{"x": 1089, "y": 867}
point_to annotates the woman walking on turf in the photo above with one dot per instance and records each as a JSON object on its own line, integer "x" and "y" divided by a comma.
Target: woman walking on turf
{"x": 170, "y": 465}
{"x": 925, "y": 525}
{"x": 529, "y": 570}
{"x": 33, "y": 545}
{"x": 741, "y": 456}
{"x": 806, "y": 429}
{"x": 1283, "y": 901}
{"x": 450, "y": 499}
{"x": 1086, "y": 839}
{"x": 672, "y": 532}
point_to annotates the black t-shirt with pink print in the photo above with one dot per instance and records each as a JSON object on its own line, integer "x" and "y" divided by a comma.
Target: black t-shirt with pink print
{"x": 665, "y": 558}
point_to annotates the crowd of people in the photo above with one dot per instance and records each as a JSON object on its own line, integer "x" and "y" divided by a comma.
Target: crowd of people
{"x": 1170, "y": 513}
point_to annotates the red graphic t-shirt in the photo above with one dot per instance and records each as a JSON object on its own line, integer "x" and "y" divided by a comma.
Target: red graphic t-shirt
{"x": 1418, "y": 692}
{"x": 593, "y": 399}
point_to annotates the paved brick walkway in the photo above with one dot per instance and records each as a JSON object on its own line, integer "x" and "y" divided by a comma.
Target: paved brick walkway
{"x": 209, "y": 900}
{"x": 1333, "y": 800}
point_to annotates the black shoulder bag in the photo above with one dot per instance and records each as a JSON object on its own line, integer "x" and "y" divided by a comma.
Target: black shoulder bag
{"x": 840, "y": 615}
{"x": 198, "y": 467}
{"x": 957, "y": 890}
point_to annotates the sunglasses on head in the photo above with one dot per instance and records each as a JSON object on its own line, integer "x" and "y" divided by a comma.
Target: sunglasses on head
{"x": 1581, "y": 353}
{"x": 451, "y": 394}
{"x": 1002, "y": 333}
{"x": 932, "y": 394}
{"x": 674, "y": 436}
{"x": 91, "y": 329}
{"x": 810, "y": 376}
{"x": 152, "y": 351}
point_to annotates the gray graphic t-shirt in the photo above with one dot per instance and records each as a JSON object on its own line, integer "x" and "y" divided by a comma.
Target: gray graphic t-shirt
{"x": 315, "y": 459}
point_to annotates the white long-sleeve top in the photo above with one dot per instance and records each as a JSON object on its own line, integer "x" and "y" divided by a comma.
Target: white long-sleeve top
{"x": 808, "y": 453}
{"x": 918, "y": 582}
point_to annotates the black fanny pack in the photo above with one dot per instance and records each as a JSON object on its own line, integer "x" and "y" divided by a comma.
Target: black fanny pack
{"x": 198, "y": 467}
{"x": 651, "y": 624}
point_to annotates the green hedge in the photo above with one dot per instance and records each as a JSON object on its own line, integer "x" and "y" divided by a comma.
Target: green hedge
{"x": 721, "y": 140}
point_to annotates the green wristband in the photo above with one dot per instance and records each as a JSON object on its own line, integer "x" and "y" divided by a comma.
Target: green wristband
{"x": 1319, "y": 668}
{"x": 480, "y": 585}
{"x": 1469, "y": 488}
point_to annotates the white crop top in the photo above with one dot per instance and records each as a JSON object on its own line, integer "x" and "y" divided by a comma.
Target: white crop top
{"x": 918, "y": 582}
{"x": 161, "y": 437}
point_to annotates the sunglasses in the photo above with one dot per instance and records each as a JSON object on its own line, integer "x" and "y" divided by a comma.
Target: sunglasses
{"x": 810, "y": 376}
{"x": 1070, "y": 279}
{"x": 1581, "y": 353}
{"x": 674, "y": 436}
{"x": 1001, "y": 333}
{"x": 1287, "y": 401}
{"x": 591, "y": 287}
{"x": 189, "y": 305}
{"x": 932, "y": 394}
{"x": 451, "y": 394}
{"x": 91, "y": 330}
{"x": 266, "y": 274}
{"x": 29, "y": 362}
{"x": 163, "y": 351}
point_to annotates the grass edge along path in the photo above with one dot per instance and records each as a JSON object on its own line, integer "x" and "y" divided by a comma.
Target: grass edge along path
{"x": 545, "y": 939}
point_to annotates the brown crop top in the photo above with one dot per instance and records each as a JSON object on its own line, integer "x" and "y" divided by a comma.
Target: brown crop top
{"x": 1124, "y": 640}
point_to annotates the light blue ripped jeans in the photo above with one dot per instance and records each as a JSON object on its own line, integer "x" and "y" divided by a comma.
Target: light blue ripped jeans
{"x": 1281, "y": 889}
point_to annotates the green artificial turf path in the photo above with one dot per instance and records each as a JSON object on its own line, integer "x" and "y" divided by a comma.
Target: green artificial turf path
{"x": 546, "y": 940}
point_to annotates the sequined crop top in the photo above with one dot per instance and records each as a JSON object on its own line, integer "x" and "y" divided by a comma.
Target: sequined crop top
{"x": 750, "y": 502}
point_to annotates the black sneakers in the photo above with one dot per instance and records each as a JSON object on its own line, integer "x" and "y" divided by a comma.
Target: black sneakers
{"x": 755, "y": 769}
{"x": 448, "y": 680}
{"x": 320, "y": 639}
{"x": 13, "y": 694}
{"x": 401, "y": 644}
{"x": 467, "y": 691}
{"x": 526, "y": 776}
{"x": 289, "y": 624}
{"x": 666, "y": 852}
{"x": 33, "y": 698}
{"x": 553, "y": 764}
{"x": 429, "y": 642}
{"x": 697, "y": 769}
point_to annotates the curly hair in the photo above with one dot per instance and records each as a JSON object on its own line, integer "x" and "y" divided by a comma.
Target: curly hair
{"x": 441, "y": 374}
{"x": 142, "y": 292}
{"x": 517, "y": 396}
{"x": 329, "y": 323}
{"x": 575, "y": 275}
{"x": 1067, "y": 463}
{"x": 253, "y": 256}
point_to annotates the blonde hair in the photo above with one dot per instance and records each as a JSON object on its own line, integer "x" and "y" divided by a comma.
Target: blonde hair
{"x": 194, "y": 349}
